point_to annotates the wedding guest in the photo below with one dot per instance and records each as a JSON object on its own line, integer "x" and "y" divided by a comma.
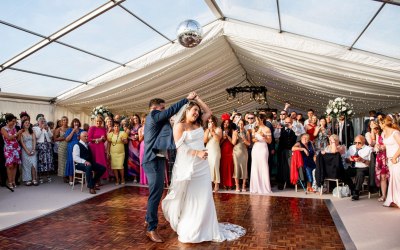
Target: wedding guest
{"x": 86, "y": 127}
{"x": 59, "y": 136}
{"x": 307, "y": 150}
{"x": 116, "y": 152}
{"x": 134, "y": 148}
{"x": 227, "y": 151}
{"x": 260, "y": 181}
{"x": 29, "y": 159}
{"x": 241, "y": 141}
{"x": 346, "y": 135}
{"x": 84, "y": 162}
{"x": 321, "y": 134}
{"x": 372, "y": 115}
{"x": 287, "y": 139}
{"x": 391, "y": 140}
{"x": 143, "y": 177}
{"x": 251, "y": 124}
{"x": 382, "y": 174}
{"x": 44, "y": 149}
{"x": 97, "y": 135}
{"x": 12, "y": 150}
{"x": 311, "y": 127}
{"x": 359, "y": 155}
{"x": 212, "y": 137}
{"x": 310, "y": 114}
{"x": 72, "y": 138}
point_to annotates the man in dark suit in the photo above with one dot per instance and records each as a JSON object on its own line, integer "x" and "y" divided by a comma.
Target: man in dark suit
{"x": 157, "y": 140}
{"x": 271, "y": 147}
{"x": 287, "y": 138}
{"x": 83, "y": 161}
{"x": 344, "y": 133}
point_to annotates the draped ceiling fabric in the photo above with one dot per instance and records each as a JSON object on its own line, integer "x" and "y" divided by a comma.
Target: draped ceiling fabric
{"x": 304, "y": 71}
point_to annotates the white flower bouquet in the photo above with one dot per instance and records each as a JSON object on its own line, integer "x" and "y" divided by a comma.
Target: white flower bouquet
{"x": 338, "y": 107}
{"x": 100, "y": 110}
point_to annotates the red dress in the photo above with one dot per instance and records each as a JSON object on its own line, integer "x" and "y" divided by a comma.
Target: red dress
{"x": 98, "y": 150}
{"x": 311, "y": 131}
{"x": 227, "y": 167}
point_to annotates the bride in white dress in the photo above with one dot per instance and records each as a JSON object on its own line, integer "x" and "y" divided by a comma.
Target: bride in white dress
{"x": 189, "y": 205}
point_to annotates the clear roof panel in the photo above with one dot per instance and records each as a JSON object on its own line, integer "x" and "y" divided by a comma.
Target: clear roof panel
{"x": 173, "y": 12}
{"x": 383, "y": 35}
{"x": 59, "y": 60}
{"x": 116, "y": 35}
{"x": 337, "y": 21}
{"x": 47, "y": 16}
{"x": 262, "y": 12}
{"x": 28, "y": 84}
{"x": 14, "y": 41}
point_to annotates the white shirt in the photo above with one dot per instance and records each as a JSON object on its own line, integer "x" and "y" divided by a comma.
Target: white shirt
{"x": 364, "y": 153}
{"x": 76, "y": 153}
{"x": 42, "y": 133}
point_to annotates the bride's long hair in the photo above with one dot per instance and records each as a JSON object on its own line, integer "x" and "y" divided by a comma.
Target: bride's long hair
{"x": 190, "y": 105}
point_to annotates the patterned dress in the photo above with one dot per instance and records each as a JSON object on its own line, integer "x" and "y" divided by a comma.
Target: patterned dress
{"x": 12, "y": 150}
{"x": 28, "y": 161}
{"x": 134, "y": 150}
{"x": 45, "y": 156}
{"x": 380, "y": 166}
{"x": 62, "y": 155}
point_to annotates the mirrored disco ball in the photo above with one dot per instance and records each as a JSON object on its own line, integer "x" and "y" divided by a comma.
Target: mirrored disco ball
{"x": 190, "y": 33}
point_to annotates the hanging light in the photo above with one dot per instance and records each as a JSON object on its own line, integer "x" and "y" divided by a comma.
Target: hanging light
{"x": 257, "y": 93}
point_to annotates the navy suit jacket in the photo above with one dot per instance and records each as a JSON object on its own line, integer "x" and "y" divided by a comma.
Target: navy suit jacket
{"x": 158, "y": 131}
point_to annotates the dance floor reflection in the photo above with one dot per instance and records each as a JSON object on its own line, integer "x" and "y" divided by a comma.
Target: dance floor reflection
{"x": 114, "y": 220}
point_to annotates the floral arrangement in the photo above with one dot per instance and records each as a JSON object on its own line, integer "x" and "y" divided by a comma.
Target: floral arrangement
{"x": 101, "y": 110}
{"x": 338, "y": 107}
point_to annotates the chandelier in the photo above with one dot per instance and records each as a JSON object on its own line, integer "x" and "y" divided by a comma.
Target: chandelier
{"x": 257, "y": 93}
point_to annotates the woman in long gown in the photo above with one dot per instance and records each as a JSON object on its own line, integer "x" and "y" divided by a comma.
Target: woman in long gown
{"x": 212, "y": 136}
{"x": 240, "y": 156}
{"x": 143, "y": 177}
{"x": 97, "y": 135}
{"x": 134, "y": 148}
{"x": 29, "y": 159}
{"x": 391, "y": 139}
{"x": 72, "y": 137}
{"x": 189, "y": 205}
{"x": 259, "y": 180}
{"x": 59, "y": 136}
{"x": 228, "y": 134}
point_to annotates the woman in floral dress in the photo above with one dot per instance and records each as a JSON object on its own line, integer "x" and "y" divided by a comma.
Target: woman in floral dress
{"x": 134, "y": 145}
{"x": 12, "y": 150}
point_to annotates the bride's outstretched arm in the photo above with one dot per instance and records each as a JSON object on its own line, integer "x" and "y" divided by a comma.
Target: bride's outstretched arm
{"x": 206, "y": 110}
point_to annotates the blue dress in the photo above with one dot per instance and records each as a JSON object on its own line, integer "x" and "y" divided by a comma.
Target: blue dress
{"x": 69, "y": 167}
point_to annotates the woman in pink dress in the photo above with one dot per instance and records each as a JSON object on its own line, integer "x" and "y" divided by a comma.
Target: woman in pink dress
{"x": 391, "y": 139}
{"x": 134, "y": 143}
{"x": 12, "y": 150}
{"x": 97, "y": 136}
{"x": 143, "y": 177}
{"x": 259, "y": 180}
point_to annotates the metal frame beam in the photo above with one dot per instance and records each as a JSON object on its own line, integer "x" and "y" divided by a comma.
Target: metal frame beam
{"x": 366, "y": 27}
{"x": 65, "y": 44}
{"x": 46, "y": 75}
{"x": 60, "y": 33}
{"x": 145, "y": 23}
{"x": 215, "y": 9}
{"x": 279, "y": 16}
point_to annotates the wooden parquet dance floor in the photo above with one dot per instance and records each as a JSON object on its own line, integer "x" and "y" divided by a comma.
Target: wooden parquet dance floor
{"x": 114, "y": 220}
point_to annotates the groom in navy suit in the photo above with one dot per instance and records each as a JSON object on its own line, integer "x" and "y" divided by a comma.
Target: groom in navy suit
{"x": 157, "y": 140}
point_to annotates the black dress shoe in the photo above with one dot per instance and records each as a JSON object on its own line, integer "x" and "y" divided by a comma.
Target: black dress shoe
{"x": 355, "y": 197}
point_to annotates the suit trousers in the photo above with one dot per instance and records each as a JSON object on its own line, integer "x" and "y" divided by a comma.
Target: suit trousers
{"x": 96, "y": 168}
{"x": 155, "y": 172}
{"x": 359, "y": 174}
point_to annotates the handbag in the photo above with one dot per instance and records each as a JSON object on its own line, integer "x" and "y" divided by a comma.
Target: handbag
{"x": 341, "y": 191}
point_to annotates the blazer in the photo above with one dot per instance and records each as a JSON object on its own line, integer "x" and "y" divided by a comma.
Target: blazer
{"x": 158, "y": 131}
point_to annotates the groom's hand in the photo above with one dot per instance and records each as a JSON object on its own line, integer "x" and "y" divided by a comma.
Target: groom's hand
{"x": 191, "y": 96}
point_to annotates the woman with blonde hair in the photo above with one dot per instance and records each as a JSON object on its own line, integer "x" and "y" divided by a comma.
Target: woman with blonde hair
{"x": 391, "y": 139}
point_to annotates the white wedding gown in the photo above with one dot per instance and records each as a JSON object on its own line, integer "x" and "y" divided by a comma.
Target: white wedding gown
{"x": 189, "y": 204}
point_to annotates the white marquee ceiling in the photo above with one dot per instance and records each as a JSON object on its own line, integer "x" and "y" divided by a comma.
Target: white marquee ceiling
{"x": 126, "y": 55}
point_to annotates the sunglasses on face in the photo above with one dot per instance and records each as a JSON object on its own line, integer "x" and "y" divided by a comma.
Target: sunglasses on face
{"x": 357, "y": 142}
{"x": 250, "y": 118}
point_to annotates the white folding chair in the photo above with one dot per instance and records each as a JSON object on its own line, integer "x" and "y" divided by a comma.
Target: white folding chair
{"x": 80, "y": 179}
